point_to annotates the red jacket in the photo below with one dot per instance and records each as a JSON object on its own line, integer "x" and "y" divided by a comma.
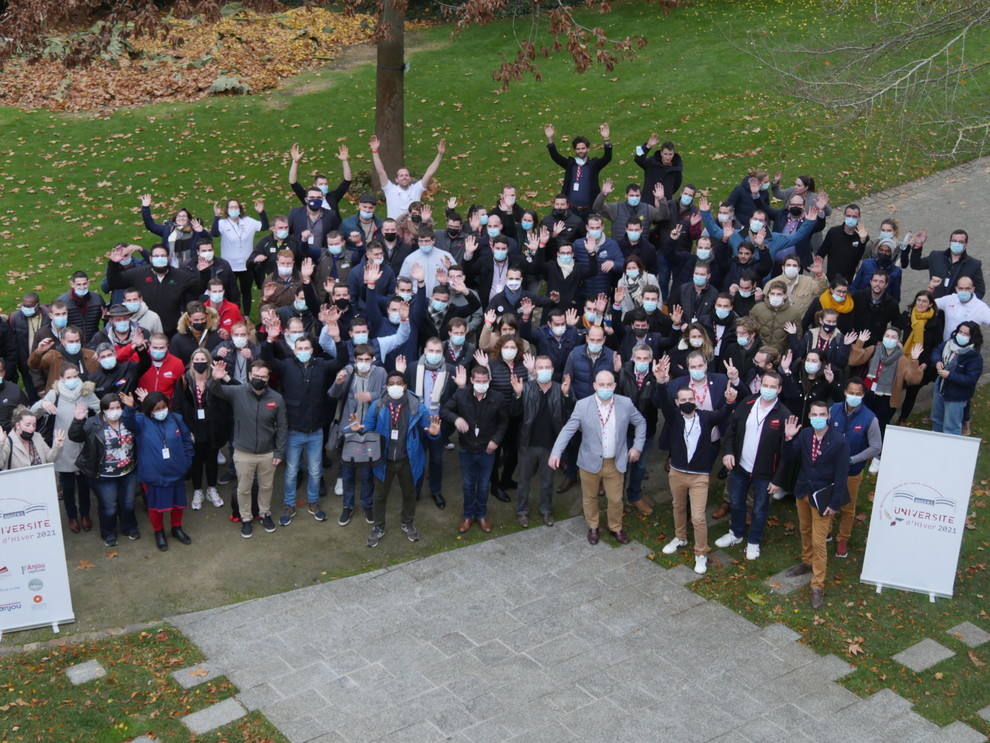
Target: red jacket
{"x": 158, "y": 378}
{"x": 229, "y": 313}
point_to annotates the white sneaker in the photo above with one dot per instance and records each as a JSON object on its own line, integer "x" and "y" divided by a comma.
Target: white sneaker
{"x": 338, "y": 488}
{"x": 780, "y": 494}
{"x": 701, "y": 564}
{"x": 221, "y": 459}
{"x": 674, "y": 545}
{"x": 752, "y": 551}
{"x": 729, "y": 540}
{"x": 214, "y": 497}
{"x": 197, "y": 500}
{"x": 875, "y": 465}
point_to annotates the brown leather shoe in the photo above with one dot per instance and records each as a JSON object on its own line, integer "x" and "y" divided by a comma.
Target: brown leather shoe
{"x": 817, "y": 598}
{"x": 485, "y": 524}
{"x": 721, "y": 511}
{"x": 593, "y": 536}
{"x": 620, "y": 537}
{"x": 86, "y": 522}
{"x": 74, "y": 526}
{"x": 465, "y": 525}
{"x": 566, "y": 485}
{"x": 802, "y": 568}
{"x": 523, "y": 520}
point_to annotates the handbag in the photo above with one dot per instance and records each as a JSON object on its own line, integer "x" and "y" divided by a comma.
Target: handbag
{"x": 334, "y": 439}
{"x": 362, "y": 450}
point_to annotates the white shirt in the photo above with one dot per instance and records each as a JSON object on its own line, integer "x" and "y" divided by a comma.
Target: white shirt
{"x": 398, "y": 199}
{"x": 237, "y": 240}
{"x": 606, "y": 412}
{"x": 692, "y": 434}
{"x": 430, "y": 262}
{"x": 751, "y": 437}
{"x": 957, "y": 312}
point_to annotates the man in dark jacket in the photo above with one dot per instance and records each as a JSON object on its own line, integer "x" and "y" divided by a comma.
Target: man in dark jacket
{"x": 266, "y": 250}
{"x": 664, "y": 167}
{"x": 311, "y": 224}
{"x": 636, "y": 381}
{"x": 113, "y": 375}
{"x": 949, "y": 264}
{"x": 874, "y": 309}
{"x": 544, "y": 406}
{"x": 580, "y": 174}
{"x": 555, "y": 340}
{"x": 85, "y": 306}
{"x": 845, "y": 244}
{"x": 820, "y": 489}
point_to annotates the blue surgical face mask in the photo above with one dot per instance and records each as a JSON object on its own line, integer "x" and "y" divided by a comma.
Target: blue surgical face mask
{"x": 890, "y": 343}
{"x": 433, "y": 358}
{"x": 964, "y": 296}
{"x": 281, "y": 234}
{"x": 426, "y": 248}
{"x": 768, "y": 394}
{"x": 721, "y": 313}
{"x": 886, "y": 235}
{"x": 335, "y": 249}
{"x": 595, "y": 347}
{"x": 764, "y": 186}
{"x": 543, "y": 376}
{"x": 483, "y": 220}
{"x": 604, "y": 394}
{"x": 580, "y": 160}
{"x": 360, "y": 338}
{"x": 438, "y": 305}
{"x": 160, "y": 415}
{"x": 457, "y": 340}
{"x": 633, "y": 200}
{"x": 28, "y": 311}
{"x": 406, "y": 296}
{"x": 80, "y": 292}
{"x": 394, "y": 317}
{"x": 565, "y": 260}
{"x": 216, "y": 298}
{"x": 157, "y": 354}
{"x": 819, "y": 423}
{"x": 500, "y": 255}
{"x": 633, "y": 236}
{"x": 642, "y": 367}
{"x": 853, "y": 401}
{"x": 233, "y": 213}
{"x": 699, "y": 280}
{"x": 304, "y": 356}
{"x": 632, "y": 273}
{"x": 526, "y": 224}
{"x": 650, "y": 305}
{"x": 324, "y": 189}
{"x": 290, "y": 338}
{"x": 755, "y": 225}
{"x": 127, "y": 261}
{"x": 595, "y": 233}
{"x": 851, "y": 222}
{"x": 366, "y": 215}
{"x": 590, "y": 316}
{"x": 72, "y": 384}
{"x": 686, "y": 200}
{"x": 122, "y": 326}
{"x": 745, "y": 294}
{"x": 704, "y": 254}
{"x": 132, "y": 307}
{"x": 956, "y": 247}
{"x": 837, "y": 299}
{"x": 73, "y": 348}
{"x": 108, "y": 363}
{"x": 697, "y": 374}
{"x": 493, "y": 232}
{"x": 810, "y": 367}
{"x": 742, "y": 340}
{"x": 159, "y": 261}
{"x": 962, "y": 340}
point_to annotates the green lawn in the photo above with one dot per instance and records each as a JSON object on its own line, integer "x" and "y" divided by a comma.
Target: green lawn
{"x": 138, "y": 696}
{"x": 856, "y": 623}
{"x": 69, "y": 184}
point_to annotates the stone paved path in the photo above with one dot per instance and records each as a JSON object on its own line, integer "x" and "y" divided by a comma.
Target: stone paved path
{"x": 536, "y": 636}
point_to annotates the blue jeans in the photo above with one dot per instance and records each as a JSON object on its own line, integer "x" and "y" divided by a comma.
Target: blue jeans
{"x": 634, "y": 486}
{"x": 739, "y": 482}
{"x": 476, "y": 470}
{"x": 115, "y": 496}
{"x": 434, "y": 451}
{"x": 312, "y": 443}
{"x": 349, "y": 475}
{"x": 947, "y": 417}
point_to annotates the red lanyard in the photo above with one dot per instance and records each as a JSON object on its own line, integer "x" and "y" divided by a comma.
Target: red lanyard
{"x": 604, "y": 421}
{"x": 640, "y": 378}
{"x": 700, "y": 395}
{"x": 394, "y": 412}
{"x": 816, "y": 447}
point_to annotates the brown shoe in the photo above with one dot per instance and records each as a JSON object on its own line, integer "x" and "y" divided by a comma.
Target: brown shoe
{"x": 966, "y": 430}
{"x": 86, "y": 522}
{"x": 485, "y": 524}
{"x": 643, "y": 507}
{"x": 817, "y": 598}
{"x": 802, "y": 568}
{"x": 523, "y": 520}
{"x": 620, "y": 537}
{"x": 548, "y": 519}
{"x": 464, "y": 526}
{"x": 74, "y": 526}
{"x": 566, "y": 485}
{"x": 593, "y": 536}
{"x": 721, "y": 511}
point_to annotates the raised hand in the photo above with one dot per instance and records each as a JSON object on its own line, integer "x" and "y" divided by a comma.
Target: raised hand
{"x": 403, "y": 311}
{"x": 373, "y": 272}
{"x": 916, "y": 351}
{"x": 268, "y": 290}
{"x": 653, "y": 141}
{"x": 921, "y": 237}
{"x": 197, "y": 225}
{"x": 470, "y": 244}
{"x": 452, "y": 202}
{"x": 675, "y": 233}
{"x": 658, "y": 192}
{"x": 792, "y": 427}
{"x": 620, "y": 293}
{"x": 571, "y": 317}
{"x": 81, "y": 411}
{"x": 343, "y": 154}
{"x": 259, "y": 205}
{"x": 441, "y": 276}
{"x": 607, "y": 186}
{"x": 141, "y": 393}
{"x": 481, "y": 358}
{"x": 374, "y": 142}
{"x": 864, "y": 336}
{"x": 434, "y": 427}
{"x": 517, "y": 384}
{"x": 526, "y": 306}
{"x": 785, "y": 363}
{"x": 731, "y": 394}
{"x": 616, "y": 363}
{"x": 603, "y": 130}
{"x": 730, "y": 370}
{"x": 490, "y": 317}
{"x": 125, "y": 399}
{"x": 558, "y": 227}
{"x": 790, "y": 328}
{"x": 829, "y": 373}
{"x": 442, "y": 147}
{"x": 219, "y": 370}
{"x": 601, "y": 304}
{"x": 695, "y": 218}
{"x": 146, "y": 199}
{"x": 548, "y": 130}
{"x": 529, "y": 363}
{"x": 426, "y": 213}
{"x": 400, "y": 364}
{"x": 217, "y": 211}
{"x": 295, "y": 152}
{"x": 460, "y": 376}
{"x": 328, "y": 284}
{"x": 306, "y": 269}
{"x": 849, "y": 338}
{"x": 818, "y": 266}
{"x": 677, "y": 314}
{"x": 703, "y": 204}
{"x": 861, "y": 230}
{"x": 565, "y": 386}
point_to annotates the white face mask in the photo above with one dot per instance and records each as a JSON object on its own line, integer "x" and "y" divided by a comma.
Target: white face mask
{"x": 395, "y": 391}
{"x": 508, "y": 354}
{"x": 776, "y": 300}
{"x": 480, "y": 388}
{"x": 363, "y": 367}
{"x": 239, "y": 341}
{"x": 791, "y": 271}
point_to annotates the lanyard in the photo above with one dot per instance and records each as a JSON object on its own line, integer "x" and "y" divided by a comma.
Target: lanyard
{"x": 604, "y": 421}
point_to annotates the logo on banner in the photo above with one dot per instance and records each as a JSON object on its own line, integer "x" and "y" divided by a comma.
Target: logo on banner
{"x": 36, "y": 584}
{"x": 10, "y": 606}
{"x": 26, "y": 510}
{"x": 4, "y": 571}
{"x": 919, "y": 506}
{"x": 34, "y": 567}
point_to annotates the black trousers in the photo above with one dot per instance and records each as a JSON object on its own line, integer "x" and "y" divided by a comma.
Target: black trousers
{"x": 403, "y": 471}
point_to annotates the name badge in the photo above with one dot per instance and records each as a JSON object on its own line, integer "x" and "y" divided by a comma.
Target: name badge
{"x": 476, "y": 431}
{"x": 201, "y": 414}
{"x": 577, "y": 186}
{"x": 395, "y": 434}
{"x": 165, "y": 453}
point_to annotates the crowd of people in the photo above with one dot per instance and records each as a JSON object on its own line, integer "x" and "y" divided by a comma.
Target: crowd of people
{"x": 738, "y": 339}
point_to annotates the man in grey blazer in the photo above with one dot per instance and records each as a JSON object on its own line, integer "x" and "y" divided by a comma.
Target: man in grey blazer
{"x": 603, "y": 420}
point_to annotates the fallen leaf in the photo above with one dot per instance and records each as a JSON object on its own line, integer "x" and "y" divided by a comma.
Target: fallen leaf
{"x": 84, "y": 565}
{"x": 113, "y": 554}
{"x": 939, "y": 675}
{"x": 199, "y": 672}
{"x": 756, "y": 598}
{"x": 976, "y": 661}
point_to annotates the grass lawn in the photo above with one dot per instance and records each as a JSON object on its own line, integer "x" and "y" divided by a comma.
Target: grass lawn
{"x": 857, "y": 624}
{"x": 69, "y": 184}
{"x": 138, "y": 696}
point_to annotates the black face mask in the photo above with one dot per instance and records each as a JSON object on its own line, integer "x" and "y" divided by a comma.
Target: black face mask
{"x": 884, "y": 260}
{"x": 342, "y": 304}
{"x": 451, "y": 232}
{"x": 687, "y": 407}
{"x": 199, "y": 327}
{"x": 27, "y": 435}
{"x": 639, "y": 332}
{"x": 415, "y": 218}
{"x": 389, "y": 237}
{"x": 796, "y": 211}
{"x": 258, "y": 384}
{"x": 315, "y": 204}
{"x": 200, "y": 366}
{"x": 560, "y": 213}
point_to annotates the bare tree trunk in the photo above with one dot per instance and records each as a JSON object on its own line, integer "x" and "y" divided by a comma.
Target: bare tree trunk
{"x": 389, "y": 85}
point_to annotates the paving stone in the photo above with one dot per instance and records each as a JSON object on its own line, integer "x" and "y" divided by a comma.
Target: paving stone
{"x": 197, "y": 674}
{"x": 923, "y": 655}
{"x": 214, "y": 716}
{"x": 985, "y": 713}
{"x": 969, "y": 633}
{"x": 83, "y": 672}
{"x": 959, "y": 732}
{"x": 784, "y": 584}
{"x": 144, "y": 739}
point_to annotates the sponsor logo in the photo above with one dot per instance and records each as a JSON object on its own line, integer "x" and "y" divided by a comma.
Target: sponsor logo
{"x": 920, "y": 505}
{"x": 15, "y": 508}
{"x": 4, "y": 571}
{"x": 10, "y": 606}
{"x": 34, "y": 567}
{"x": 36, "y": 584}
{"x": 38, "y": 598}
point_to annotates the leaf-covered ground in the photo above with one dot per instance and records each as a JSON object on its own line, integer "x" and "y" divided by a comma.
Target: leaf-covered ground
{"x": 240, "y": 53}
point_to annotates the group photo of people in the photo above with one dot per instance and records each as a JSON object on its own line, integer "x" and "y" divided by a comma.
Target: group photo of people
{"x": 637, "y": 342}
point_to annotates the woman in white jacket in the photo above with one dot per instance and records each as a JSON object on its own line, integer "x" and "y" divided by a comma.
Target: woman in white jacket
{"x": 24, "y": 446}
{"x": 236, "y": 231}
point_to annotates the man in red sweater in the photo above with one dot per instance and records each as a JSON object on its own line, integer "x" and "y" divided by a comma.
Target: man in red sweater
{"x": 229, "y": 312}
{"x": 165, "y": 370}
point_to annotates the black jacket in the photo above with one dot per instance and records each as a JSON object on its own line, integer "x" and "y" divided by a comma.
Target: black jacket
{"x": 707, "y": 450}
{"x": 215, "y": 424}
{"x": 768, "y": 452}
{"x": 874, "y": 317}
{"x": 654, "y": 172}
{"x": 122, "y": 378}
{"x": 489, "y": 416}
{"x": 642, "y": 397}
{"x": 830, "y": 468}
{"x": 163, "y": 293}
{"x": 939, "y": 263}
{"x": 304, "y": 388}
{"x": 558, "y": 407}
{"x": 89, "y": 433}
{"x": 85, "y": 316}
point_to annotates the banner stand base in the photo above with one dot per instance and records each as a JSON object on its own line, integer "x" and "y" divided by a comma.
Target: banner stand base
{"x": 931, "y": 597}
{"x": 879, "y": 588}
{"x": 55, "y": 624}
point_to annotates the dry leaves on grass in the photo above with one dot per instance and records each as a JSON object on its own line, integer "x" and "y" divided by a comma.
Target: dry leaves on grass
{"x": 255, "y": 50}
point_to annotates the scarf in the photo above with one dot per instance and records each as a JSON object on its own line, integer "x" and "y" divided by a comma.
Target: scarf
{"x": 843, "y": 308}
{"x": 883, "y": 368}
{"x": 634, "y": 290}
{"x": 918, "y": 322}
{"x": 567, "y": 270}
{"x": 952, "y": 350}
